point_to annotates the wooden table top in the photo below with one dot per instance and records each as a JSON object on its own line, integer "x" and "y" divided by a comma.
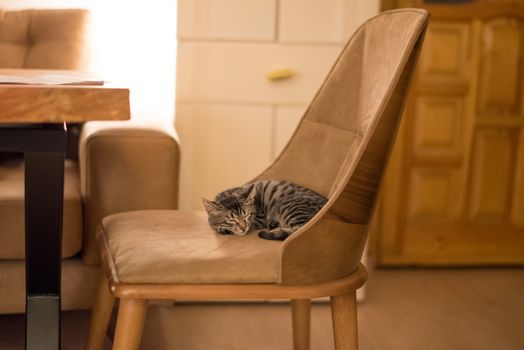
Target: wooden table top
{"x": 34, "y": 103}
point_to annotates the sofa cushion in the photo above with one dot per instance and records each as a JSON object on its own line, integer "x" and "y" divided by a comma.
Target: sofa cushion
{"x": 12, "y": 211}
{"x": 168, "y": 246}
{"x": 50, "y": 39}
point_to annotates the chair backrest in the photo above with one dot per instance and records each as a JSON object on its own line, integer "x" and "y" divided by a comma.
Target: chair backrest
{"x": 342, "y": 143}
{"x": 44, "y": 39}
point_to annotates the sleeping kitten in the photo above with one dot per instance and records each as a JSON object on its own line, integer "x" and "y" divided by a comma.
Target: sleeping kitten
{"x": 280, "y": 207}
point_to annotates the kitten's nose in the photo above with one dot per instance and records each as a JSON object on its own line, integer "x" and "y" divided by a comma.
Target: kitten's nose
{"x": 242, "y": 226}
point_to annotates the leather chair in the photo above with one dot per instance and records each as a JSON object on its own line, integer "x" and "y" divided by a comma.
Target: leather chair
{"x": 121, "y": 166}
{"x": 339, "y": 149}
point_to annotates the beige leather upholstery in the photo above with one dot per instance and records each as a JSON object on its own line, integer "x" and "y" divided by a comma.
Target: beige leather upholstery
{"x": 181, "y": 248}
{"x": 339, "y": 149}
{"x": 124, "y": 167}
{"x": 12, "y": 211}
{"x": 52, "y": 39}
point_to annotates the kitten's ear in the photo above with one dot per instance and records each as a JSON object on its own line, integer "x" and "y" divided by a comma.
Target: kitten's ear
{"x": 211, "y": 207}
{"x": 251, "y": 193}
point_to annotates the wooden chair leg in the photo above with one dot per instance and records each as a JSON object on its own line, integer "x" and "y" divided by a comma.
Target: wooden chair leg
{"x": 130, "y": 324}
{"x": 100, "y": 315}
{"x": 301, "y": 315}
{"x": 344, "y": 317}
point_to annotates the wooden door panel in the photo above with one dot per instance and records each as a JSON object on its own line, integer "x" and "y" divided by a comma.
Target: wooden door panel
{"x": 441, "y": 245}
{"x": 517, "y": 200}
{"x": 454, "y": 191}
{"x": 438, "y": 127}
{"x": 500, "y": 67}
{"x": 492, "y": 175}
{"x": 432, "y": 195}
{"x": 445, "y": 51}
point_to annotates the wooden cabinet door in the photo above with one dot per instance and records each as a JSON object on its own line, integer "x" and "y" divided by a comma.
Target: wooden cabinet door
{"x": 454, "y": 191}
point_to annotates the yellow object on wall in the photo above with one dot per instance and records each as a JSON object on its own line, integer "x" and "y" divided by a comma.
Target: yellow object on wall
{"x": 280, "y": 74}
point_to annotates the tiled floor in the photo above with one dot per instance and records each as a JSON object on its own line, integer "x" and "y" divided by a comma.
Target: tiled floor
{"x": 405, "y": 309}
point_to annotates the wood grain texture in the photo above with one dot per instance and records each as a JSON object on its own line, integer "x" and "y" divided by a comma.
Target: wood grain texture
{"x": 239, "y": 291}
{"x": 107, "y": 258}
{"x": 100, "y": 316}
{"x": 130, "y": 324}
{"x": 328, "y": 250}
{"x": 59, "y": 103}
{"x": 481, "y": 8}
{"x": 454, "y": 186}
{"x": 344, "y": 318}
{"x": 301, "y": 317}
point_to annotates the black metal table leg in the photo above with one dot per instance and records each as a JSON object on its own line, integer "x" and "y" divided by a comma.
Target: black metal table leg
{"x": 44, "y": 153}
{"x": 44, "y": 186}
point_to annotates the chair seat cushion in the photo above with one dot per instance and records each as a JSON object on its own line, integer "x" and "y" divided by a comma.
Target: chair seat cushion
{"x": 12, "y": 222}
{"x": 168, "y": 246}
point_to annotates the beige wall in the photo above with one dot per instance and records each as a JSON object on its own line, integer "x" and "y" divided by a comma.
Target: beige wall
{"x": 232, "y": 120}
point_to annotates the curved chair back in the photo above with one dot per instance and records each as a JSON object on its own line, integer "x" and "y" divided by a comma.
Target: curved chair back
{"x": 342, "y": 143}
{"x": 339, "y": 149}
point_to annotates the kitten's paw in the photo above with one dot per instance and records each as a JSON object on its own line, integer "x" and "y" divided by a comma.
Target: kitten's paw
{"x": 274, "y": 236}
{"x": 264, "y": 235}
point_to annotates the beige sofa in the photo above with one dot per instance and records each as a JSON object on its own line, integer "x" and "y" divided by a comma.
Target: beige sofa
{"x": 121, "y": 166}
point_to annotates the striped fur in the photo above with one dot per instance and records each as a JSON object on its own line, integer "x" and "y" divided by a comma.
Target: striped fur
{"x": 278, "y": 208}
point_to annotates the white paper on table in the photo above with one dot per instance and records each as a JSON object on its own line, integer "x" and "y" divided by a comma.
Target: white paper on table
{"x": 49, "y": 79}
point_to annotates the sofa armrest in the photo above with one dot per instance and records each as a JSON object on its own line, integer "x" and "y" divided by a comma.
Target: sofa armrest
{"x": 124, "y": 167}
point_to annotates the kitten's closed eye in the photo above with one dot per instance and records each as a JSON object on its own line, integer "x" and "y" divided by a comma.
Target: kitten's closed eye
{"x": 272, "y": 225}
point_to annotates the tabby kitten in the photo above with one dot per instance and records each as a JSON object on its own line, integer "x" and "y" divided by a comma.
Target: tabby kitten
{"x": 280, "y": 207}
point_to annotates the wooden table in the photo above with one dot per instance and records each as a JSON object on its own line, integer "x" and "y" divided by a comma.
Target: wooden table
{"x": 32, "y": 121}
